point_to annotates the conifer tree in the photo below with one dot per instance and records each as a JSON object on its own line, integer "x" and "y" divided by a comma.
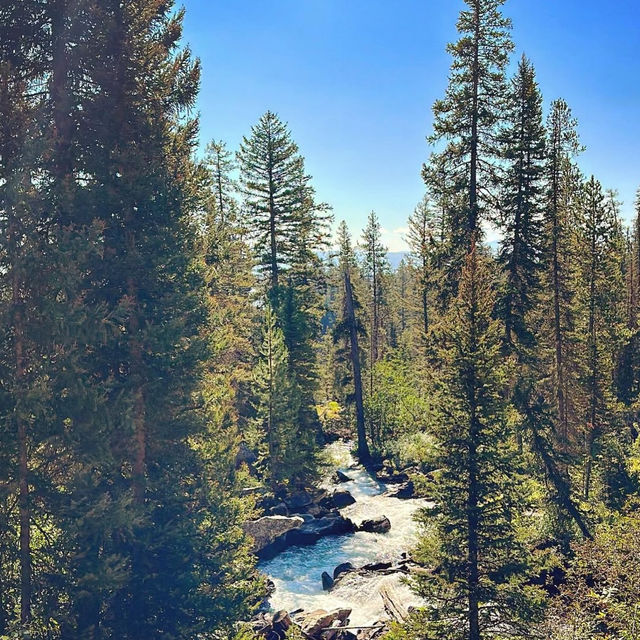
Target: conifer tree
{"x": 521, "y": 212}
{"x": 220, "y": 163}
{"x": 276, "y": 408}
{"x": 468, "y": 117}
{"x": 278, "y": 199}
{"x": 479, "y": 590}
{"x": 350, "y": 329}
{"x": 562, "y": 146}
{"x": 374, "y": 268}
{"x": 288, "y": 228}
{"x": 140, "y": 510}
{"x": 425, "y": 243}
{"x": 599, "y": 296}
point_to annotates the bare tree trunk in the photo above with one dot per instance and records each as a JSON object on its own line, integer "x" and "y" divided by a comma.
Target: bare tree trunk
{"x": 364, "y": 454}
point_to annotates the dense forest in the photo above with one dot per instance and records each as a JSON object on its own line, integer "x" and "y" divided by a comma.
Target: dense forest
{"x": 182, "y": 333}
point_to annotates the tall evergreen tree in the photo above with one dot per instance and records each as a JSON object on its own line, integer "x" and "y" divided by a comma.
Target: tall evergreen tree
{"x": 350, "y": 329}
{"x": 521, "y": 212}
{"x": 468, "y": 119}
{"x": 278, "y": 199}
{"x": 288, "y": 228}
{"x": 562, "y": 146}
{"x": 425, "y": 242}
{"x": 221, "y": 164}
{"x": 479, "y": 590}
{"x": 374, "y": 268}
{"x": 599, "y": 295}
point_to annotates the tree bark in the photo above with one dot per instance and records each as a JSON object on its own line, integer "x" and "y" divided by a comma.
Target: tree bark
{"x": 364, "y": 455}
{"x": 473, "y": 176}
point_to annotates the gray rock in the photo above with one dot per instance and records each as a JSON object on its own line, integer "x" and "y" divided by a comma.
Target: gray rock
{"x": 403, "y": 491}
{"x": 381, "y": 524}
{"x": 327, "y": 581}
{"x": 314, "y": 622}
{"x": 312, "y": 531}
{"x": 345, "y": 567}
{"x": 268, "y": 529}
{"x": 279, "y": 510}
{"x": 299, "y": 501}
{"x": 340, "y": 477}
{"x": 342, "y": 498}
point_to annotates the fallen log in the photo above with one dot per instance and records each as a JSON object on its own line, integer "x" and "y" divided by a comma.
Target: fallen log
{"x": 392, "y": 604}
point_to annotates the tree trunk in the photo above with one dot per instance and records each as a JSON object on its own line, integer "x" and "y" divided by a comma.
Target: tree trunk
{"x": 592, "y": 427}
{"x": 473, "y": 578}
{"x": 24, "y": 507}
{"x": 473, "y": 176}
{"x": 364, "y": 454}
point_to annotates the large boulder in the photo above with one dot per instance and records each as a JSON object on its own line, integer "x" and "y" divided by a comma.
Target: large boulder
{"x": 345, "y": 567}
{"x": 382, "y": 524}
{"x": 299, "y": 501}
{"x": 312, "y": 531}
{"x": 342, "y": 498}
{"x": 327, "y": 581}
{"x": 266, "y": 530}
{"x": 314, "y": 622}
{"x": 339, "y": 499}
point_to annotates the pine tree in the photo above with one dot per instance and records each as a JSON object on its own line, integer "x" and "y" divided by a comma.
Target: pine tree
{"x": 276, "y": 408}
{"x": 278, "y": 199}
{"x": 350, "y": 328}
{"x": 468, "y": 117}
{"x": 138, "y": 507}
{"x": 220, "y": 163}
{"x": 562, "y": 146}
{"x": 374, "y": 268}
{"x": 288, "y": 228}
{"x": 479, "y": 589}
{"x": 425, "y": 242}
{"x": 599, "y": 295}
{"x": 521, "y": 212}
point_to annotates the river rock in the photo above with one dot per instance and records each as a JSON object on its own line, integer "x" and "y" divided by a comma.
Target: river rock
{"x": 339, "y": 477}
{"x": 299, "y": 501}
{"x": 404, "y": 491}
{"x": 314, "y": 622}
{"x": 342, "y": 498}
{"x": 389, "y": 476}
{"x": 279, "y": 509}
{"x": 266, "y": 530}
{"x": 376, "y": 525}
{"x": 339, "y": 499}
{"x": 345, "y": 567}
{"x": 327, "y": 581}
{"x": 311, "y": 532}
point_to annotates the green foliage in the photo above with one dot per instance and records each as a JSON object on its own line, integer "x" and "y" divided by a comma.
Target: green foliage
{"x": 602, "y": 591}
{"x": 480, "y": 566}
{"x": 401, "y": 409}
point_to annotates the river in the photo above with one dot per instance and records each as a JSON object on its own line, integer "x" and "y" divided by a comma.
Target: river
{"x": 297, "y": 571}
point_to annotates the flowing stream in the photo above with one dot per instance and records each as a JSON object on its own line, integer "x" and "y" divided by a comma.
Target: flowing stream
{"x": 297, "y": 571}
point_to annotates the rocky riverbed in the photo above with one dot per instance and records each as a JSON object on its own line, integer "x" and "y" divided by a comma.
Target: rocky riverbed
{"x": 368, "y": 535}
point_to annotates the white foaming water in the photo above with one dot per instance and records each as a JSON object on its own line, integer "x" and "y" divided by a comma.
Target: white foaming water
{"x": 297, "y": 571}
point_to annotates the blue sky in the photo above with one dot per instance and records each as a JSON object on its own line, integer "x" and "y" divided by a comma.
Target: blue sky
{"x": 355, "y": 80}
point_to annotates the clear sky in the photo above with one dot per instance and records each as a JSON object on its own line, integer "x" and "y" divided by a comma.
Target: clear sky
{"x": 355, "y": 80}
